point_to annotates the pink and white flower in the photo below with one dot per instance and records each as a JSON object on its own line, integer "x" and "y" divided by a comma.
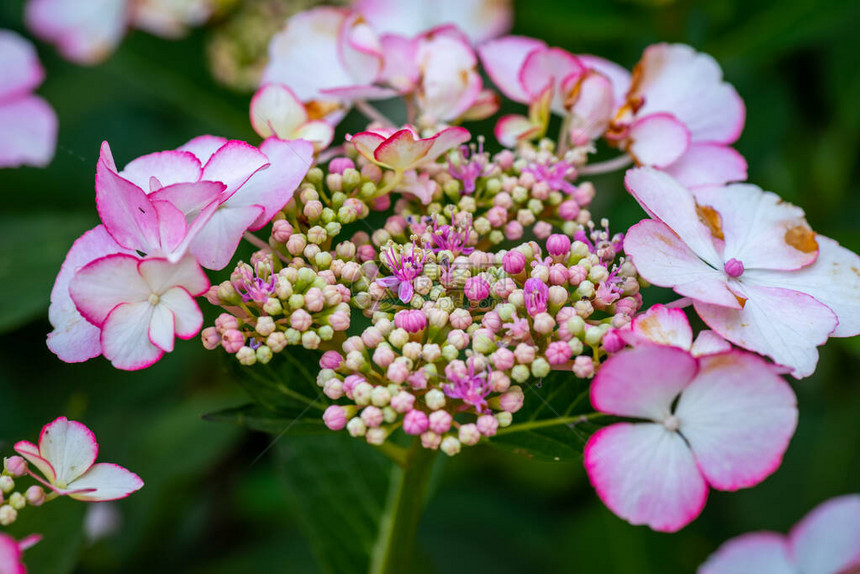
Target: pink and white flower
{"x": 66, "y": 457}
{"x": 276, "y": 111}
{"x": 27, "y": 122}
{"x": 662, "y": 325}
{"x": 743, "y": 256}
{"x": 11, "y": 550}
{"x": 481, "y": 20}
{"x": 682, "y": 117}
{"x": 732, "y": 422}
{"x": 826, "y": 541}
{"x": 404, "y": 149}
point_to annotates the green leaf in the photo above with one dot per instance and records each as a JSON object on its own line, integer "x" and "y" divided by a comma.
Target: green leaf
{"x": 32, "y": 248}
{"x": 258, "y": 418}
{"x": 337, "y": 487}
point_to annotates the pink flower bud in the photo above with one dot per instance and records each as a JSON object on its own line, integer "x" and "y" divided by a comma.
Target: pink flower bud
{"x": 440, "y": 421}
{"x": 16, "y": 466}
{"x": 512, "y": 400}
{"x": 542, "y": 229}
{"x": 418, "y": 380}
{"x": 584, "y": 193}
{"x": 210, "y": 337}
{"x": 331, "y": 360}
{"x": 333, "y": 389}
{"x": 296, "y": 244}
{"x": 513, "y": 230}
{"x": 232, "y": 340}
{"x": 313, "y": 209}
{"x": 383, "y": 356}
{"x": 558, "y": 244}
{"x": 500, "y": 381}
{"x": 504, "y": 287}
{"x": 469, "y": 434}
{"x": 281, "y": 230}
{"x": 524, "y": 353}
{"x": 371, "y": 337}
{"x": 314, "y": 300}
{"x": 544, "y": 323}
{"x": 458, "y": 338}
{"x": 415, "y": 422}
{"x": 35, "y": 495}
{"x": 558, "y": 274}
{"x": 430, "y": 440}
{"x": 395, "y": 225}
{"x": 372, "y": 172}
{"x": 583, "y": 367}
{"x": 497, "y": 216}
{"x": 569, "y": 210}
{"x": 460, "y": 319}
{"x": 410, "y": 320}
{"x": 513, "y": 262}
{"x": 612, "y": 341}
{"x": 211, "y": 295}
{"x": 576, "y": 274}
{"x": 335, "y": 417}
{"x": 541, "y": 191}
{"x": 627, "y": 306}
{"x": 351, "y": 271}
{"x": 366, "y": 253}
{"x": 226, "y": 321}
{"x": 350, "y": 383}
{"x": 300, "y": 320}
{"x": 339, "y": 164}
{"x": 371, "y": 416}
{"x": 402, "y": 402}
{"x": 487, "y": 425}
{"x": 503, "y": 359}
{"x": 397, "y": 372}
{"x": 491, "y": 321}
{"x": 476, "y": 289}
{"x": 339, "y": 321}
{"x": 505, "y": 159}
{"x": 558, "y": 353}
{"x": 381, "y": 203}
{"x": 734, "y": 268}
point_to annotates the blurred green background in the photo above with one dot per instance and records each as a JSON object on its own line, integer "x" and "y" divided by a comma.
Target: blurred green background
{"x": 218, "y": 499}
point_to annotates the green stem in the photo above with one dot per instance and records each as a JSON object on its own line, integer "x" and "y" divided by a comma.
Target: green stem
{"x": 550, "y": 423}
{"x": 394, "y": 547}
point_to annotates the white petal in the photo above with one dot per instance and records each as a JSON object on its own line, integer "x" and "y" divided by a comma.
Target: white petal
{"x": 70, "y": 447}
{"x": 125, "y": 337}
{"x": 827, "y": 540}
{"x": 658, "y": 140}
{"x": 161, "y": 328}
{"x": 104, "y": 482}
{"x": 186, "y": 314}
{"x": 757, "y": 552}
{"x": 84, "y": 32}
{"x": 275, "y": 110}
{"x": 709, "y": 343}
{"x": 168, "y": 167}
{"x": 105, "y": 283}
{"x": 161, "y": 275}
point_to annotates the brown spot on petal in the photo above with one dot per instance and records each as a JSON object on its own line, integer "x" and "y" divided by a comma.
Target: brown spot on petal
{"x": 801, "y": 238}
{"x": 712, "y": 220}
{"x": 741, "y": 301}
{"x": 318, "y": 109}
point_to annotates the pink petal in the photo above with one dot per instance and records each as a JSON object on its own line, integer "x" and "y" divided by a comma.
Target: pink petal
{"x": 203, "y": 147}
{"x": 190, "y": 198}
{"x": 828, "y": 538}
{"x": 665, "y": 199}
{"x": 85, "y": 33}
{"x": 366, "y": 143}
{"x": 403, "y": 151}
{"x": 485, "y": 105}
{"x": 74, "y": 339}
{"x": 591, "y": 112}
{"x": 646, "y": 474}
{"x": 128, "y": 215}
{"x": 125, "y": 337}
{"x": 70, "y": 447}
{"x": 619, "y": 76}
{"x": 360, "y": 49}
{"x": 678, "y": 80}
{"x": 738, "y": 417}
{"x": 642, "y": 382}
{"x": 664, "y": 326}
{"x": 186, "y": 314}
{"x": 172, "y": 229}
{"x": 400, "y": 69}
{"x": 29, "y": 128}
{"x": 160, "y": 276}
{"x": 10, "y": 556}
{"x": 105, "y": 482}
{"x": 317, "y": 132}
{"x": 171, "y": 19}
{"x": 446, "y": 140}
{"x": 709, "y": 343}
{"x": 759, "y": 552}
{"x": 761, "y": 230}
{"x": 31, "y": 452}
{"x": 833, "y": 280}
{"x": 161, "y": 328}
{"x": 708, "y": 164}
{"x": 168, "y": 167}
{"x": 22, "y": 72}
{"x": 512, "y": 128}
{"x": 272, "y": 187}
{"x": 551, "y": 67}
{"x": 763, "y": 325}
{"x": 233, "y": 164}
{"x": 105, "y": 283}
{"x": 503, "y": 59}
{"x": 351, "y": 93}
{"x": 663, "y": 259}
{"x": 217, "y": 241}
{"x": 658, "y": 140}
{"x": 449, "y": 82}
{"x": 275, "y": 110}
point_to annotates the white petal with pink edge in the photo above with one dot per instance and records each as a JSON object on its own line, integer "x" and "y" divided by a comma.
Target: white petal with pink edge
{"x": 74, "y": 339}
{"x": 105, "y": 481}
{"x": 84, "y": 32}
{"x": 105, "y": 283}
{"x": 503, "y": 59}
{"x": 215, "y": 244}
{"x": 402, "y": 151}
{"x": 161, "y": 328}
{"x": 646, "y": 474}
{"x": 827, "y": 540}
{"x": 449, "y": 83}
{"x": 29, "y": 128}
{"x": 275, "y": 110}
{"x": 619, "y": 76}
{"x": 658, "y": 140}
{"x": 591, "y": 112}
{"x": 168, "y": 167}
{"x": 664, "y": 326}
{"x": 70, "y": 447}
{"x": 760, "y": 229}
{"x": 31, "y": 452}
{"x": 187, "y": 316}
{"x": 203, "y": 147}
{"x": 758, "y": 552}
{"x": 663, "y": 259}
{"x": 160, "y": 275}
{"x": 22, "y": 72}
{"x": 551, "y": 67}
{"x": 665, "y": 199}
{"x": 125, "y": 337}
{"x": 318, "y": 132}
{"x": 511, "y": 128}
{"x": 709, "y": 343}
{"x": 738, "y": 417}
{"x": 642, "y": 382}
{"x": 763, "y": 325}
{"x": 708, "y": 164}
{"x": 834, "y": 280}
{"x": 233, "y": 164}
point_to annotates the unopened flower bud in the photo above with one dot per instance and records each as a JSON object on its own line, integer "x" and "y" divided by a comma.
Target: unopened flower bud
{"x": 7, "y": 484}
{"x": 277, "y": 341}
{"x": 17, "y": 501}
{"x": 540, "y": 367}
{"x": 35, "y": 495}
{"x": 469, "y": 434}
{"x": 505, "y": 418}
{"x": 402, "y": 402}
{"x": 380, "y": 396}
{"x": 435, "y": 399}
{"x": 333, "y": 389}
{"x": 450, "y": 446}
{"x": 8, "y": 515}
{"x": 415, "y": 422}
{"x": 281, "y": 230}
{"x": 15, "y": 466}
{"x": 356, "y": 427}
{"x": 583, "y": 367}
{"x": 430, "y": 440}
{"x": 371, "y": 416}
{"x": 487, "y": 425}
{"x": 440, "y": 421}
{"x": 361, "y": 393}
{"x": 246, "y": 356}
{"x": 265, "y": 326}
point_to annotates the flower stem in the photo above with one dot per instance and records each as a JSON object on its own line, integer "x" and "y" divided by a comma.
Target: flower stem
{"x": 608, "y": 166}
{"x": 549, "y": 423}
{"x": 393, "y": 551}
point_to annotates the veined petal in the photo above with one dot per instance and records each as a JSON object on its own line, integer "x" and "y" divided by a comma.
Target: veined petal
{"x": 233, "y": 164}
{"x": 275, "y": 110}
{"x": 503, "y": 59}
{"x": 29, "y": 128}
{"x": 738, "y": 417}
{"x": 664, "y": 326}
{"x": 217, "y": 241}
{"x": 186, "y": 314}
{"x": 658, "y": 140}
{"x": 360, "y": 49}
{"x": 828, "y": 538}
{"x": 366, "y": 143}
{"x": 642, "y": 382}
{"x": 403, "y": 151}
{"x": 161, "y": 328}
{"x": 125, "y": 337}
{"x": 172, "y": 229}
{"x": 399, "y": 70}
{"x": 834, "y": 280}
{"x": 646, "y": 474}
{"x": 759, "y": 552}
{"x": 105, "y": 283}
{"x": 31, "y": 452}
{"x": 190, "y": 198}
{"x": 105, "y": 481}
{"x": 70, "y": 447}
{"x": 708, "y": 164}
{"x": 764, "y": 326}
{"x": 709, "y": 343}
{"x": 203, "y": 147}
{"x": 446, "y": 140}
{"x": 160, "y": 275}
{"x": 665, "y": 199}
{"x": 74, "y": 339}
{"x": 168, "y": 167}
{"x": 760, "y": 230}
{"x": 664, "y": 259}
